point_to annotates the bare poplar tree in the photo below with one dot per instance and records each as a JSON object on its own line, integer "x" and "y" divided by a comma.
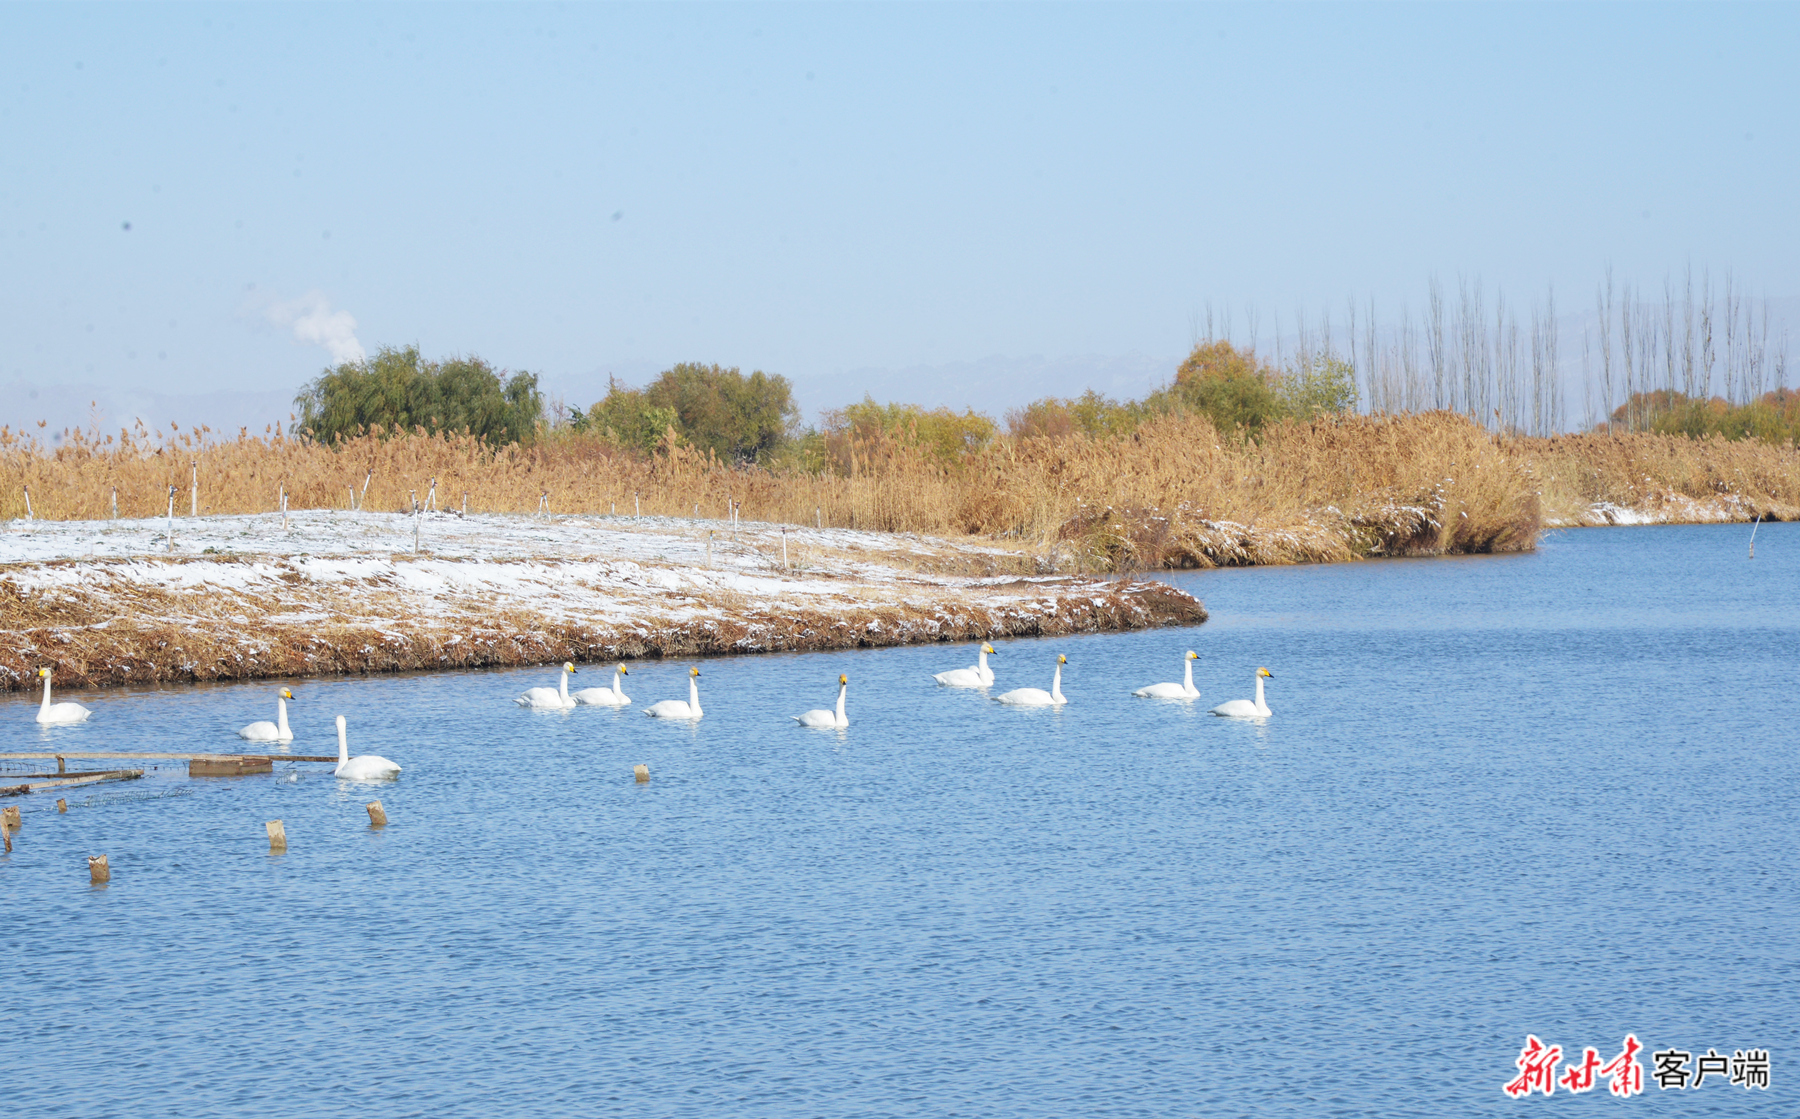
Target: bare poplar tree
{"x": 1605, "y": 301}
{"x": 1434, "y": 338}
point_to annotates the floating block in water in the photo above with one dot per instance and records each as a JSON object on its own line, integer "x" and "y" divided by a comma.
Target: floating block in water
{"x": 98, "y": 871}
{"x": 642, "y": 773}
{"x": 277, "y": 835}
{"x": 227, "y": 765}
{"x": 377, "y": 814}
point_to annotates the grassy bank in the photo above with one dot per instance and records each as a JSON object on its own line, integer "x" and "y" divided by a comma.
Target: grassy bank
{"x": 1172, "y": 492}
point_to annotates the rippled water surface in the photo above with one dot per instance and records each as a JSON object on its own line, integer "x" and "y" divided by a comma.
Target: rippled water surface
{"x": 1551, "y": 794}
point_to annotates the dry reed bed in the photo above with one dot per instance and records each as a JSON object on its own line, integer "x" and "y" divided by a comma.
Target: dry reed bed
{"x": 354, "y": 604}
{"x": 1172, "y": 494}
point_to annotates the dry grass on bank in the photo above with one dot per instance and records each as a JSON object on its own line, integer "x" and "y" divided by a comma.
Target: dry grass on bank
{"x": 1174, "y": 493}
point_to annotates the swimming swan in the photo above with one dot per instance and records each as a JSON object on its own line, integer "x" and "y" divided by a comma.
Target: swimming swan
{"x": 1183, "y": 690}
{"x": 675, "y": 708}
{"x": 58, "y": 714}
{"x": 550, "y": 697}
{"x": 1038, "y": 697}
{"x": 977, "y": 675}
{"x": 606, "y": 697}
{"x": 1245, "y": 709}
{"x": 822, "y": 718}
{"x": 369, "y": 767}
{"x": 277, "y": 731}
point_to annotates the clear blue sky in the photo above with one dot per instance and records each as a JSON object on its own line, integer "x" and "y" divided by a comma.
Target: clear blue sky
{"x": 835, "y": 191}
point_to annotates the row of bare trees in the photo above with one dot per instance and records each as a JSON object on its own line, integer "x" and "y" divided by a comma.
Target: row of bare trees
{"x": 1507, "y": 367}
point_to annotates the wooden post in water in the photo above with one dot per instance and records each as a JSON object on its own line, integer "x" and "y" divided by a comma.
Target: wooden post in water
{"x": 12, "y": 819}
{"x": 377, "y": 814}
{"x": 62, "y": 805}
{"x": 642, "y": 773}
{"x": 61, "y": 767}
{"x": 6, "y": 836}
{"x": 277, "y": 837}
{"x": 98, "y": 872}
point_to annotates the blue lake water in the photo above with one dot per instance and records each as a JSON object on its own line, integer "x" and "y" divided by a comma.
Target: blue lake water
{"x": 1552, "y": 794}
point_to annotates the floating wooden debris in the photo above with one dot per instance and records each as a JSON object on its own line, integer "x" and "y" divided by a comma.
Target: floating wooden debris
{"x": 228, "y": 765}
{"x": 62, "y": 805}
{"x": 277, "y": 836}
{"x": 98, "y": 871}
{"x": 377, "y": 814}
{"x": 67, "y": 782}
{"x": 642, "y": 773}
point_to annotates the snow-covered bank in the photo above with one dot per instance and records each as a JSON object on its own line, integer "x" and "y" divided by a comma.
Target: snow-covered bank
{"x": 112, "y": 602}
{"x": 1660, "y": 508}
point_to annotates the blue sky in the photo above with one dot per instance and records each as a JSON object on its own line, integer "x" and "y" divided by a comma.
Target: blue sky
{"x": 893, "y": 197}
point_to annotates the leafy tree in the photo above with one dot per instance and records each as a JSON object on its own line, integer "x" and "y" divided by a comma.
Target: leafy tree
{"x": 1229, "y": 386}
{"x": 1317, "y": 385}
{"x": 945, "y": 435}
{"x": 1092, "y": 414}
{"x": 400, "y": 391}
{"x": 626, "y": 417}
{"x": 738, "y": 418}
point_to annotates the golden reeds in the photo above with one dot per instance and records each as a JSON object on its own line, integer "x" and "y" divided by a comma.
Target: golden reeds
{"x": 1171, "y": 493}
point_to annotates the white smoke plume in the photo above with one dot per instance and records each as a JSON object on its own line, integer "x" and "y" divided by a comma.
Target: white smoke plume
{"x": 311, "y": 320}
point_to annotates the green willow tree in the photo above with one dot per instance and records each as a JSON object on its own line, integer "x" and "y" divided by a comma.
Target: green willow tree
{"x": 738, "y": 418}
{"x": 400, "y": 391}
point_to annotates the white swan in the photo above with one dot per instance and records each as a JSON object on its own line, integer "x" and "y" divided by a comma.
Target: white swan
{"x": 819, "y": 717}
{"x": 1244, "y": 708}
{"x": 58, "y": 714}
{"x": 277, "y": 731}
{"x": 606, "y": 697}
{"x": 977, "y": 675}
{"x": 1038, "y": 697}
{"x": 550, "y": 697}
{"x": 369, "y": 767}
{"x": 675, "y": 708}
{"x": 1183, "y": 690}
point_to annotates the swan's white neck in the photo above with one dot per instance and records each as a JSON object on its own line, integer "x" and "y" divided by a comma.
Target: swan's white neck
{"x": 694, "y": 696}
{"x": 45, "y": 706}
{"x": 281, "y": 716}
{"x": 1187, "y": 679}
{"x": 1056, "y": 686}
{"x": 1261, "y": 707}
{"x": 562, "y": 686}
{"x": 842, "y": 721}
{"x": 981, "y": 661}
{"x": 618, "y": 687}
{"x": 343, "y": 745}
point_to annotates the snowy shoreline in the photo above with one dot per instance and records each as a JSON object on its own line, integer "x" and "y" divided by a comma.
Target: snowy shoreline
{"x": 239, "y": 597}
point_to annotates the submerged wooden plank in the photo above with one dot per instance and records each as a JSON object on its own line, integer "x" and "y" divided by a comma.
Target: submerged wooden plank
{"x": 228, "y": 765}
{"x": 67, "y": 782}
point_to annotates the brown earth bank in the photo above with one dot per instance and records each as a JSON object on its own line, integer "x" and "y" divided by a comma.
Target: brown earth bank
{"x": 143, "y": 618}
